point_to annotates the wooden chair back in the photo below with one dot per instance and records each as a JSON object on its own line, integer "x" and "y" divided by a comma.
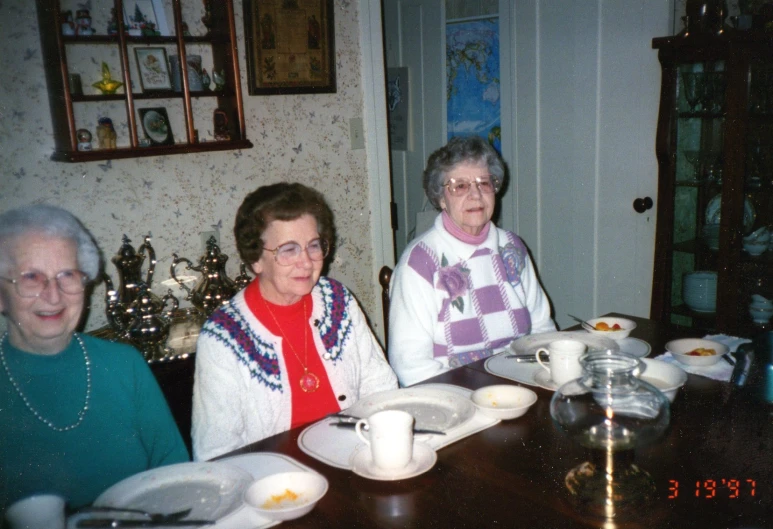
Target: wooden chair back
{"x": 384, "y": 277}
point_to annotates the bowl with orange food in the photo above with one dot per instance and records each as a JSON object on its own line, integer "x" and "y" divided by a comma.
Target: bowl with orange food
{"x": 697, "y": 351}
{"x": 611, "y": 327}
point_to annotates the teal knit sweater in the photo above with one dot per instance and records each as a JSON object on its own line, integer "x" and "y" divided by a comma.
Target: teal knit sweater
{"x": 127, "y": 429}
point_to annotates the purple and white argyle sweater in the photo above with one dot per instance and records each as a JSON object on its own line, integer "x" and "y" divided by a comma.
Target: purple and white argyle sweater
{"x": 453, "y": 303}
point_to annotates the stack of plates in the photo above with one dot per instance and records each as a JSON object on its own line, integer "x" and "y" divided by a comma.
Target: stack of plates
{"x": 699, "y": 291}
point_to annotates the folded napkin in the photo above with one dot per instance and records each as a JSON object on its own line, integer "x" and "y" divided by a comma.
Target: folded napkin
{"x": 719, "y": 371}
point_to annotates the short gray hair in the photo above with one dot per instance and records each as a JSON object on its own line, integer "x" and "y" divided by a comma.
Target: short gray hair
{"x": 54, "y": 222}
{"x": 458, "y": 150}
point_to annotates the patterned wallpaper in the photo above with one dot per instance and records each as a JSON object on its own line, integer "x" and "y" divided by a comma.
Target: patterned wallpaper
{"x": 302, "y": 138}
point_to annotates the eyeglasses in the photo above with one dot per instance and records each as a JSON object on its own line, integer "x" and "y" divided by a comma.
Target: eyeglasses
{"x": 289, "y": 253}
{"x": 487, "y": 185}
{"x": 32, "y": 284}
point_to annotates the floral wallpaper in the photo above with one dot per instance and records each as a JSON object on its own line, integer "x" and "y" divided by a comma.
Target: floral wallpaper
{"x": 302, "y": 138}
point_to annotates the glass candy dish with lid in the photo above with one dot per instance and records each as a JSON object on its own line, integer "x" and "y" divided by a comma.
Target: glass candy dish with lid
{"x": 610, "y": 411}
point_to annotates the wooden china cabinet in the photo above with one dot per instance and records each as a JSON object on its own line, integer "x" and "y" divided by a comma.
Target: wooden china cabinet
{"x": 715, "y": 159}
{"x": 190, "y": 107}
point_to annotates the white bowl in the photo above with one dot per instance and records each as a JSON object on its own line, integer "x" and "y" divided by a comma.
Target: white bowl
{"x": 680, "y": 348}
{"x": 626, "y": 326}
{"x": 760, "y": 314}
{"x": 699, "y": 291}
{"x": 668, "y": 378}
{"x": 286, "y": 495}
{"x": 755, "y": 248}
{"x": 502, "y": 401}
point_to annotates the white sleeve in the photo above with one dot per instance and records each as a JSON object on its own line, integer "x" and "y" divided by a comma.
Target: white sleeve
{"x": 412, "y": 321}
{"x": 376, "y": 374}
{"x": 219, "y": 407}
{"x": 536, "y": 300}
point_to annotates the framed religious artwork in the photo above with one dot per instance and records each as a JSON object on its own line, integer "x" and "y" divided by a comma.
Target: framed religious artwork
{"x": 290, "y": 46}
{"x": 155, "y": 123}
{"x": 153, "y": 68}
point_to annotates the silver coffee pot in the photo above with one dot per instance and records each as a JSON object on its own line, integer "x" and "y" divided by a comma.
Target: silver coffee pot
{"x": 149, "y": 326}
{"x": 128, "y": 263}
{"x": 214, "y": 288}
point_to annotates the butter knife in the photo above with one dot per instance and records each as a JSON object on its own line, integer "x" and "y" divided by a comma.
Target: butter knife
{"x": 351, "y": 425}
{"x": 523, "y": 358}
{"x": 113, "y": 522}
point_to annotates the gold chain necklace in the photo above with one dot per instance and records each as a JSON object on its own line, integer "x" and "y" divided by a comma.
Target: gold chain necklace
{"x": 309, "y": 382}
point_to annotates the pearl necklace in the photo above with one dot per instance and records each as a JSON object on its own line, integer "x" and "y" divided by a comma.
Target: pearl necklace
{"x": 38, "y": 416}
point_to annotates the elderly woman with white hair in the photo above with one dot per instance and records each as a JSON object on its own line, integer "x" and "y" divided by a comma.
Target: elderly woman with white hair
{"x": 464, "y": 289}
{"x": 78, "y": 414}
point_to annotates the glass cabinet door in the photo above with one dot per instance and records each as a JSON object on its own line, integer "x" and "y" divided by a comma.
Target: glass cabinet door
{"x": 699, "y": 141}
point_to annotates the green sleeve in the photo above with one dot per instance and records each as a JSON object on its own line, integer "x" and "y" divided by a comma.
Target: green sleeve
{"x": 156, "y": 426}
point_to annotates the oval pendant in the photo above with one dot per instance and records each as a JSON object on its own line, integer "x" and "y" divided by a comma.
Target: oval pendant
{"x": 309, "y": 382}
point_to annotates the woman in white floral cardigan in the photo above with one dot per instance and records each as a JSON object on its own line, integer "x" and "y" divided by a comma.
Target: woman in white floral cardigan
{"x": 464, "y": 289}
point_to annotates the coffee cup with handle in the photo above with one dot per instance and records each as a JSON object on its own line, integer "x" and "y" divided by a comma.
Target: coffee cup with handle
{"x": 42, "y": 511}
{"x": 390, "y": 436}
{"x": 564, "y": 360}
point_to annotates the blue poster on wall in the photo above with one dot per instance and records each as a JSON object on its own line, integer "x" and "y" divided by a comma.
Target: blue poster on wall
{"x": 472, "y": 57}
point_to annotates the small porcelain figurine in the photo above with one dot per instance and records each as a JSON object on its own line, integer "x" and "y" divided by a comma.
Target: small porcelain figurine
{"x": 83, "y": 23}
{"x": 112, "y": 25}
{"x": 205, "y": 80}
{"x": 68, "y": 26}
{"x": 84, "y": 140}
{"x": 221, "y": 125}
{"x": 219, "y": 79}
{"x": 106, "y": 134}
{"x": 107, "y": 85}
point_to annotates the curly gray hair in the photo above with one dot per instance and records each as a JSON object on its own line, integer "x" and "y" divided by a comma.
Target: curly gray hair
{"x": 54, "y": 222}
{"x": 471, "y": 149}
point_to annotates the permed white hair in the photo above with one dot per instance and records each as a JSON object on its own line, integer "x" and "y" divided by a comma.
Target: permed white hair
{"x": 54, "y": 222}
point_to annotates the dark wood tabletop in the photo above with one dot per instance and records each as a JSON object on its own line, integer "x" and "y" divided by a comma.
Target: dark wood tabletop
{"x": 713, "y": 468}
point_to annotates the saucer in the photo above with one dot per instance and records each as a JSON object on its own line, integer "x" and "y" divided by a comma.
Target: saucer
{"x": 542, "y": 378}
{"x": 634, "y": 347}
{"x": 424, "y": 458}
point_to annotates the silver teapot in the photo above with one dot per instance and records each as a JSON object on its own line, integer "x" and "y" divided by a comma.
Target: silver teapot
{"x": 129, "y": 263}
{"x": 214, "y": 288}
{"x": 149, "y": 326}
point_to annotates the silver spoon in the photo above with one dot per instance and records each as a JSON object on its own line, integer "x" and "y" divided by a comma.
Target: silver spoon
{"x": 153, "y": 517}
{"x": 585, "y": 325}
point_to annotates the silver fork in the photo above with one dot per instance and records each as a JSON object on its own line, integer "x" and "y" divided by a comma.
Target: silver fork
{"x": 153, "y": 517}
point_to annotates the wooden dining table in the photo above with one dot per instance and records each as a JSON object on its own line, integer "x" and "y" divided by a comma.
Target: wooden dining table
{"x": 713, "y": 468}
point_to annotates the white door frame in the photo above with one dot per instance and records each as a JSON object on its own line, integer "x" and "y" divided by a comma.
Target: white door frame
{"x": 376, "y": 144}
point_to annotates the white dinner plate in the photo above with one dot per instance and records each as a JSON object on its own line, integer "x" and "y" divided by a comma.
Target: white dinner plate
{"x": 634, "y": 347}
{"x": 433, "y": 409}
{"x": 211, "y": 490}
{"x": 531, "y": 342}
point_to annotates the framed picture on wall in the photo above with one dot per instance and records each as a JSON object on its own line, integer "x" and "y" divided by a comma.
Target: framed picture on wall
{"x": 290, "y": 46}
{"x": 153, "y": 69}
{"x": 155, "y": 123}
{"x": 145, "y": 17}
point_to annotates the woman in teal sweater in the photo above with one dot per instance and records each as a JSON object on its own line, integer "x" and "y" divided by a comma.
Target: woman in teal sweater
{"x": 78, "y": 414}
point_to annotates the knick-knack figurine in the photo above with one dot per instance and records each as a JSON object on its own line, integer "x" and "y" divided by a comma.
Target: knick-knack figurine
{"x": 68, "y": 26}
{"x": 112, "y": 25}
{"x": 107, "y": 85}
{"x": 106, "y": 134}
{"x": 83, "y": 23}
{"x": 207, "y": 18}
{"x": 221, "y": 125}
{"x": 219, "y": 78}
{"x": 205, "y": 80}
{"x": 84, "y": 139}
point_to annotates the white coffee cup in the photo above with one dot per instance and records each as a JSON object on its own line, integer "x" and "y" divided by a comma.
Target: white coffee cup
{"x": 390, "y": 436}
{"x": 42, "y": 511}
{"x": 564, "y": 360}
